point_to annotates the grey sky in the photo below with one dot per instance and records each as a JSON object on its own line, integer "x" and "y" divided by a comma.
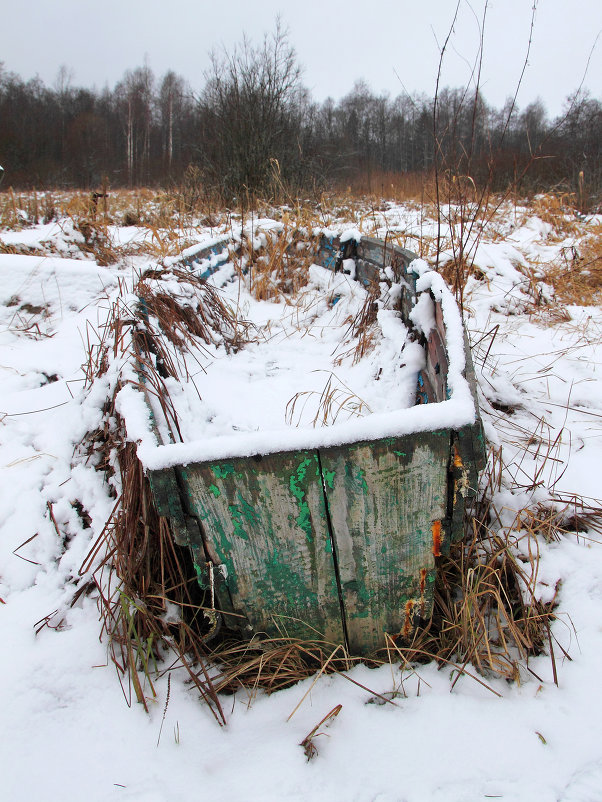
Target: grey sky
{"x": 336, "y": 42}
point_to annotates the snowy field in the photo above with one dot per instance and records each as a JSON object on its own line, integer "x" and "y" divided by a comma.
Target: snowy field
{"x": 68, "y": 732}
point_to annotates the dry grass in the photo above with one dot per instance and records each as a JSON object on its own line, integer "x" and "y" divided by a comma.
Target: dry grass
{"x": 124, "y": 207}
{"x": 196, "y": 313}
{"x": 152, "y": 609}
{"x": 360, "y": 336}
{"x": 279, "y": 268}
{"x": 334, "y": 401}
{"x": 270, "y": 664}
{"x": 559, "y": 211}
{"x": 488, "y": 614}
{"x": 166, "y": 218}
{"x": 577, "y": 275}
{"x": 400, "y": 187}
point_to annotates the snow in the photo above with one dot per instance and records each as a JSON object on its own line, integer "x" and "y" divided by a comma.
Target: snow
{"x": 269, "y": 396}
{"x": 67, "y": 731}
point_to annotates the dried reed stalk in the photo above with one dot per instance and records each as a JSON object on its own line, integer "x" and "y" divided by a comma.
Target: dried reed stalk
{"x": 280, "y": 269}
{"x": 332, "y": 401}
{"x": 140, "y": 574}
{"x": 487, "y": 613}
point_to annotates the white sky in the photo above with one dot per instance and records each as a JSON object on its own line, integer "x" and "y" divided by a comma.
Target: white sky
{"x": 337, "y": 42}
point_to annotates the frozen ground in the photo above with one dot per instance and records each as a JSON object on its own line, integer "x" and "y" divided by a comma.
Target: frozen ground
{"x": 67, "y": 731}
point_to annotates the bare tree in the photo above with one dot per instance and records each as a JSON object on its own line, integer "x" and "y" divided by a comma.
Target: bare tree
{"x": 251, "y": 112}
{"x": 170, "y": 99}
{"x": 135, "y": 99}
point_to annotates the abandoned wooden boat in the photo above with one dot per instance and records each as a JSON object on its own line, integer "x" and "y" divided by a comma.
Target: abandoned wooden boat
{"x": 337, "y": 537}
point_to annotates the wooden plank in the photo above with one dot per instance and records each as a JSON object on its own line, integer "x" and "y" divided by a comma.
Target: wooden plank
{"x": 331, "y": 252}
{"x": 425, "y": 391}
{"x": 386, "y": 502}
{"x": 219, "y": 251}
{"x": 265, "y": 520}
{"x": 436, "y": 364}
{"x": 167, "y": 499}
{"x": 382, "y": 253}
{"x": 366, "y": 273}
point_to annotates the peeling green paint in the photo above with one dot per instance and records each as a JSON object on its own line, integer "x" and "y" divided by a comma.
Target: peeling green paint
{"x": 267, "y": 523}
{"x": 329, "y": 478}
{"x": 223, "y": 471}
{"x": 296, "y": 482}
{"x": 221, "y": 541}
{"x": 283, "y": 581}
{"x": 248, "y": 511}
{"x": 237, "y": 521}
{"x": 201, "y": 575}
{"x": 361, "y": 478}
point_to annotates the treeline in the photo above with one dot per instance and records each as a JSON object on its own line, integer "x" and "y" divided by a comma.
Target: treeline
{"x": 255, "y": 128}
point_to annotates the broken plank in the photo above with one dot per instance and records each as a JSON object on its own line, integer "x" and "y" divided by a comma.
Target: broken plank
{"x": 386, "y": 501}
{"x": 264, "y": 518}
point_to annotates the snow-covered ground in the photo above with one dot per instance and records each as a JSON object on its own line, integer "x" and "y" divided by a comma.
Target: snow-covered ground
{"x": 67, "y": 731}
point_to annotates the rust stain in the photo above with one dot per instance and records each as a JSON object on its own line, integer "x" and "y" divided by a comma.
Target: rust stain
{"x": 422, "y": 581}
{"x": 437, "y": 538}
{"x": 407, "y": 624}
{"x": 422, "y": 587}
{"x": 461, "y": 484}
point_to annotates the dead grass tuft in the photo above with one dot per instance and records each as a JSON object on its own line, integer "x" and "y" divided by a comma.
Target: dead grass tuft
{"x": 271, "y": 664}
{"x": 195, "y": 312}
{"x": 492, "y": 612}
{"x": 379, "y": 184}
{"x": 489, "y": 612}
{"x": 335, "y": 399}
{"x": 577, "y": 275}
{"x": 154, "y": 615}
{"x": 559, "y": 211}
{"x": 279, "y": 269}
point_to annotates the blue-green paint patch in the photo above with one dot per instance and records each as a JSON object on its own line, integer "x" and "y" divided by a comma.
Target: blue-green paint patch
{"x": 287, "y": 589}
{"x": 329, "y": 478}
{"x": 223, "y": 471}
{"x": 361, "y": 478}
{"x": 201, "y": 575}
{"x": 297, "y": 484}
{"x": 215, "y": 491}
{"x": 236, "y": 515}
{"x": 248, "y": 511}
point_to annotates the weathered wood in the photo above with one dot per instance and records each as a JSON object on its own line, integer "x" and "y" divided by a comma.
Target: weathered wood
{"x": 167, "y": 496}
{"x": 366, "y": 273}
{"x": 265, "y": 520}
{"x": 386, "y": 501}
{"x": 437, "y": 364}
{"x": 382, "y": 254}
{"x": 329, "y": 254}
{"x": 372, "y": 255}
{"x": 215, "y": 255}
{"x": 340, "y": 543}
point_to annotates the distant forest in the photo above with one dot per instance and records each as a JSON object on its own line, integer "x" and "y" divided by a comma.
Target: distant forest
{"x": 254, "y": 126}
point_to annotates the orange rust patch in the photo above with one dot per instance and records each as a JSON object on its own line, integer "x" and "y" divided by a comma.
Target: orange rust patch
{"x": 457, "y": 459}
{"x": 407, "y": 624}
{"x": 437, "y": 538}
{"x": 422, "y": 587}
{"x": 422, "y": 580}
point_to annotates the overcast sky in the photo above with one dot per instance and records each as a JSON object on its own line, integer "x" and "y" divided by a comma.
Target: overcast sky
{"x": 391, "y": 45}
